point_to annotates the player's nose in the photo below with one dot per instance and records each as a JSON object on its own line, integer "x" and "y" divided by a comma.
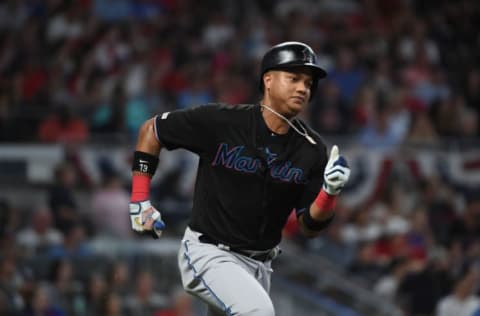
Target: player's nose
{"x": 302, "y": 88}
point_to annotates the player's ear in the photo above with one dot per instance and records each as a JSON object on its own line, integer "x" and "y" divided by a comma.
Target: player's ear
{"x": 267, "y": 79}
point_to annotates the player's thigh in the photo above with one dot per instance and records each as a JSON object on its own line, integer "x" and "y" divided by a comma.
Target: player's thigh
{"x": 221, "y": 281}
{"x": 239, "y": 291}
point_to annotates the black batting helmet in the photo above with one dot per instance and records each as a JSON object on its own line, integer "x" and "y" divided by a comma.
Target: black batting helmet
{"x": 289, "y": 55}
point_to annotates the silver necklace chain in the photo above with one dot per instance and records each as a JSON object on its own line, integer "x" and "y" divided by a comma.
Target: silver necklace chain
{"x": 304, "y": 133}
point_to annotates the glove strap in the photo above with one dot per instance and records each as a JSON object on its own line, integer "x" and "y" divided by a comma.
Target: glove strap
{"x": 325, "y": 201}
{"x": 140, "y": 187}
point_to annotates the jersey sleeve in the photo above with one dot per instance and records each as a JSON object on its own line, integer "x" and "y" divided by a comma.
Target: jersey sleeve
{"x": 312, "y": 188}
{"x": 192, "y": 129}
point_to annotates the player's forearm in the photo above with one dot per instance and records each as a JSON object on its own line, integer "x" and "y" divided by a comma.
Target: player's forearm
{"x": 319, "y": 215}
{"x": 145, "y": 161}
{"x": 143, "y": 216}
{"x": 321, "y": 212}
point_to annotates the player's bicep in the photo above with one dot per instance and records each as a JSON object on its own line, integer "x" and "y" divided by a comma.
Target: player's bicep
{"x": 147, "y": 141}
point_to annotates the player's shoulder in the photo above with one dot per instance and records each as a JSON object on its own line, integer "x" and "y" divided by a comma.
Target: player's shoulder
{"x": 222, "y": 107}
{"x": 211, "y": 113}
{"x": 217, "y": 115}
{"x": 231, "y": 108}
{"x": 229, "y": 112}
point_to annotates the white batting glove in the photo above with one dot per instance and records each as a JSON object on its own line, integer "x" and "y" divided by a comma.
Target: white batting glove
{"x": 145, "y": 218}
{"x": 336, "y": 173}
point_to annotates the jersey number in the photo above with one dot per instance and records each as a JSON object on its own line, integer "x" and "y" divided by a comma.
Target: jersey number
{"x": 143, "y": 167}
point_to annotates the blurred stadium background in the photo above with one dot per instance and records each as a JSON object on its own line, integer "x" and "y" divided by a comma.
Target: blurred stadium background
{"x": 402, "y": 99}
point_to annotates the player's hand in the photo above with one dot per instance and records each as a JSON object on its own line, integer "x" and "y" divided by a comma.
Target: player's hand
{"x": 145, "y": 218}
{"x": 336, "y": 173}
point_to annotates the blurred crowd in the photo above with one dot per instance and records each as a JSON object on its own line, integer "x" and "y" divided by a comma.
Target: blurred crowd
{"x": 49, "y": 265}
{"x": 86, "y": 71}
{"x": 417, "y": 244}
{"x": 79, "y": 70}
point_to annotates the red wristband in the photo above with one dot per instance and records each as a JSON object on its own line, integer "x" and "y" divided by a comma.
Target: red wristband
{"x": 140, "y": 188}
{"x": 325, "y": 201}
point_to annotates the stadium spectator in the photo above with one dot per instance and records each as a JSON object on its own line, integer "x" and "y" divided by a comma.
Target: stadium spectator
{"x": 118, "y": 278}
{"x": 39, "y": 235}
{"x": 61, "y": 197}
{"x": 96, "y": 289}
{"x": 329, "y": 114}
{"x": 380, "y": 132}
{"x": 145, "y": 300}
{"x": 63, "y": 289}
{"x": 42, "y": 304}
{"x": 108, "y": 206}
{"x": 63, "y": 127}
{"x": 75, "y": 245}
{"x": 111, "y": 305}
{"x": 387, "y": 285}
{"x": 182, "y": 305}
{"x": 421, "y": 288}
{"x": 462, "y": 301}
{"x": 348, "y": 75}
{"x": 9, "y": 284}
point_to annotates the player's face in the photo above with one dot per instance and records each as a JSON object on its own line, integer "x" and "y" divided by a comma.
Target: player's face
{"x": 289, "y": 91}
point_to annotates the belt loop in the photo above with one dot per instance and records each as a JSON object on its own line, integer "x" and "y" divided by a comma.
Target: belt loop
{"x": 223, "y": 247}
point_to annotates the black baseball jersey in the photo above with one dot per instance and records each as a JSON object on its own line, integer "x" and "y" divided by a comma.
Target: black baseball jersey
{"x": 249, "y": 179}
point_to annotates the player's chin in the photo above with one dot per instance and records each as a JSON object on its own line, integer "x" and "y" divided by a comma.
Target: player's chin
{"x": 296, "y": 106}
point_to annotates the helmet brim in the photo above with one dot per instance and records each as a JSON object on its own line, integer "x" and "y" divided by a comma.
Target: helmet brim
{"x": 318, "y": 72}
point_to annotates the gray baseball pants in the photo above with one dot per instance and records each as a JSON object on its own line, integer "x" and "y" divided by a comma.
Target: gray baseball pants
{"x": 230, "y": 283}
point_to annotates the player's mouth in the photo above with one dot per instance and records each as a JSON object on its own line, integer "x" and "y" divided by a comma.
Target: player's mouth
{"x": 298, "y": 99}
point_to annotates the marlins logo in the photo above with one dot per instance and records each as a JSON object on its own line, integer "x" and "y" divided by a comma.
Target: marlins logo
{"x": 308, "y": 57}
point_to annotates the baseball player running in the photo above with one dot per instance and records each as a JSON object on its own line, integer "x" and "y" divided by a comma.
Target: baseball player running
{"x": 258, "y": 162}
